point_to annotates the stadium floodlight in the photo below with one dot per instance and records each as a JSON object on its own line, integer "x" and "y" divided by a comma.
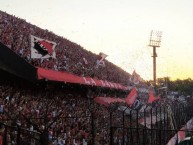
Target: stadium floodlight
{"x": 155, "y": 38}
{"x": 155, "y": 41}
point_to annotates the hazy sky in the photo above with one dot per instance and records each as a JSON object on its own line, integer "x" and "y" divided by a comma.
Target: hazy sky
{"x": 121, "y": 29}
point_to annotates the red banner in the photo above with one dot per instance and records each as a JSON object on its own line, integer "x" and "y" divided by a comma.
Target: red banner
{"x": 102, "y": 100}
{"x": 71, "y": 78}
{"x": 106, "y": 101}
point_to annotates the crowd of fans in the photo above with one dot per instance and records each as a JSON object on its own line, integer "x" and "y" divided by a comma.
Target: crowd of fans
{"x": 29, "y": 110}
{"x": 70, "y": 117}
{"x": 73, "y": 112}
{"x": 71, "y": 57}
{"x": 66, "y": 115}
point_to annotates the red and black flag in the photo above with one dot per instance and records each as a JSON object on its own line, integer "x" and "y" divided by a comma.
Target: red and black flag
{"x": 41, "y": 48}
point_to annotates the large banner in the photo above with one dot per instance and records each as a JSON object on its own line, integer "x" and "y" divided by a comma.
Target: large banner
{"x": 106, "y": 101}
{"x": 41, "y": 48}
{"x": 71, "y": 78}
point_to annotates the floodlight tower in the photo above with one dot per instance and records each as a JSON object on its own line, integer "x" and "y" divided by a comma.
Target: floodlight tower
{"x": 155, "y": 41}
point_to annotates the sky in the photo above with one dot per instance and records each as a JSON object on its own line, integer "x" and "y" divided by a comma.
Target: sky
{"x": 121, "y": 29}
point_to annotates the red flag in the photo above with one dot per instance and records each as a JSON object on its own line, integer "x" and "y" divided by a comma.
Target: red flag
{"x": 152, "y": 98}
{"x": 130, "y": 99}
{"x": 181, "y": 135}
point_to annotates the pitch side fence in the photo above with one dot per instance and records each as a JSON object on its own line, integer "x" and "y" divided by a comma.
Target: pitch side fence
{"x": 150, "y": 126}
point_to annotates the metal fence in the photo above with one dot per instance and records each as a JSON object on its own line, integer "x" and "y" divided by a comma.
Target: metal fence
{"x": 148, "y": 126}
{"x": 151, "y": 126}
{"x": 15, "y": 135}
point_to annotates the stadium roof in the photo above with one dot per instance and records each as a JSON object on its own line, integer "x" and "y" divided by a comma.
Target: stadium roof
{"x": 13, "y": 64}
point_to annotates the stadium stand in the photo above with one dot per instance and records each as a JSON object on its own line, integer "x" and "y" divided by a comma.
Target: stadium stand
{"x": 47, "y": 111}
{"x": 70, "y": 57}
{"x": 51, "y": 101}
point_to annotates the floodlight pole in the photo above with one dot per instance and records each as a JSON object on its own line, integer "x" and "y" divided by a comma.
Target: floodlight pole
{"x": 154, "y": 67}
{"x": 155, "y": 40}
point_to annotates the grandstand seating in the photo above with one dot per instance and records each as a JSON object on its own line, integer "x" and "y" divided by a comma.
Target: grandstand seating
{"x": 35, "y": 107}
{"x": 29, "y": 108}
{"x": 15, "y": 33}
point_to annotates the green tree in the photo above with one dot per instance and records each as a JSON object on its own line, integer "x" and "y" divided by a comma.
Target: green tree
{"x": 184, "y": 87}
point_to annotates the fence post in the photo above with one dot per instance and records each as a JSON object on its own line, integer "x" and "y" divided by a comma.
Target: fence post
{"x": 93, "y": 128}
{"x": 18, "y": 135}
{"x": 160, "y": 119}
{"x": 138, "y": 136}
{"x": 5, "y": 136}
{"x": 112, "y": 108}
{"x": 164, "y": 125}
{"x": 44, "y": 137}
{"x": 151, "y": 126}
{"x": 124, "y": 124}
{"x": 156, "y": 124}
{"x": 130, "y": 124}
{"x": 111, "y": 129}
{"x": 144, "y": 130}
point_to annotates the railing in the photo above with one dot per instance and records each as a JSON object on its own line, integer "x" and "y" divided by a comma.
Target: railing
{"x": 18, "y": 136}
{"x": 152, "y": 126}
{"x": 145, "y": 136}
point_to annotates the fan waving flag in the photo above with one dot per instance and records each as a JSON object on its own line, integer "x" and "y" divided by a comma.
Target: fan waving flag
{"x": 130, "y": 99}
{"x": 41, "y": 48}
{"x": 100, "y": 59}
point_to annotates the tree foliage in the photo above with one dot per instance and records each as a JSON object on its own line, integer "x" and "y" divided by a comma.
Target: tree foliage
{"x": 184, "y": 87}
